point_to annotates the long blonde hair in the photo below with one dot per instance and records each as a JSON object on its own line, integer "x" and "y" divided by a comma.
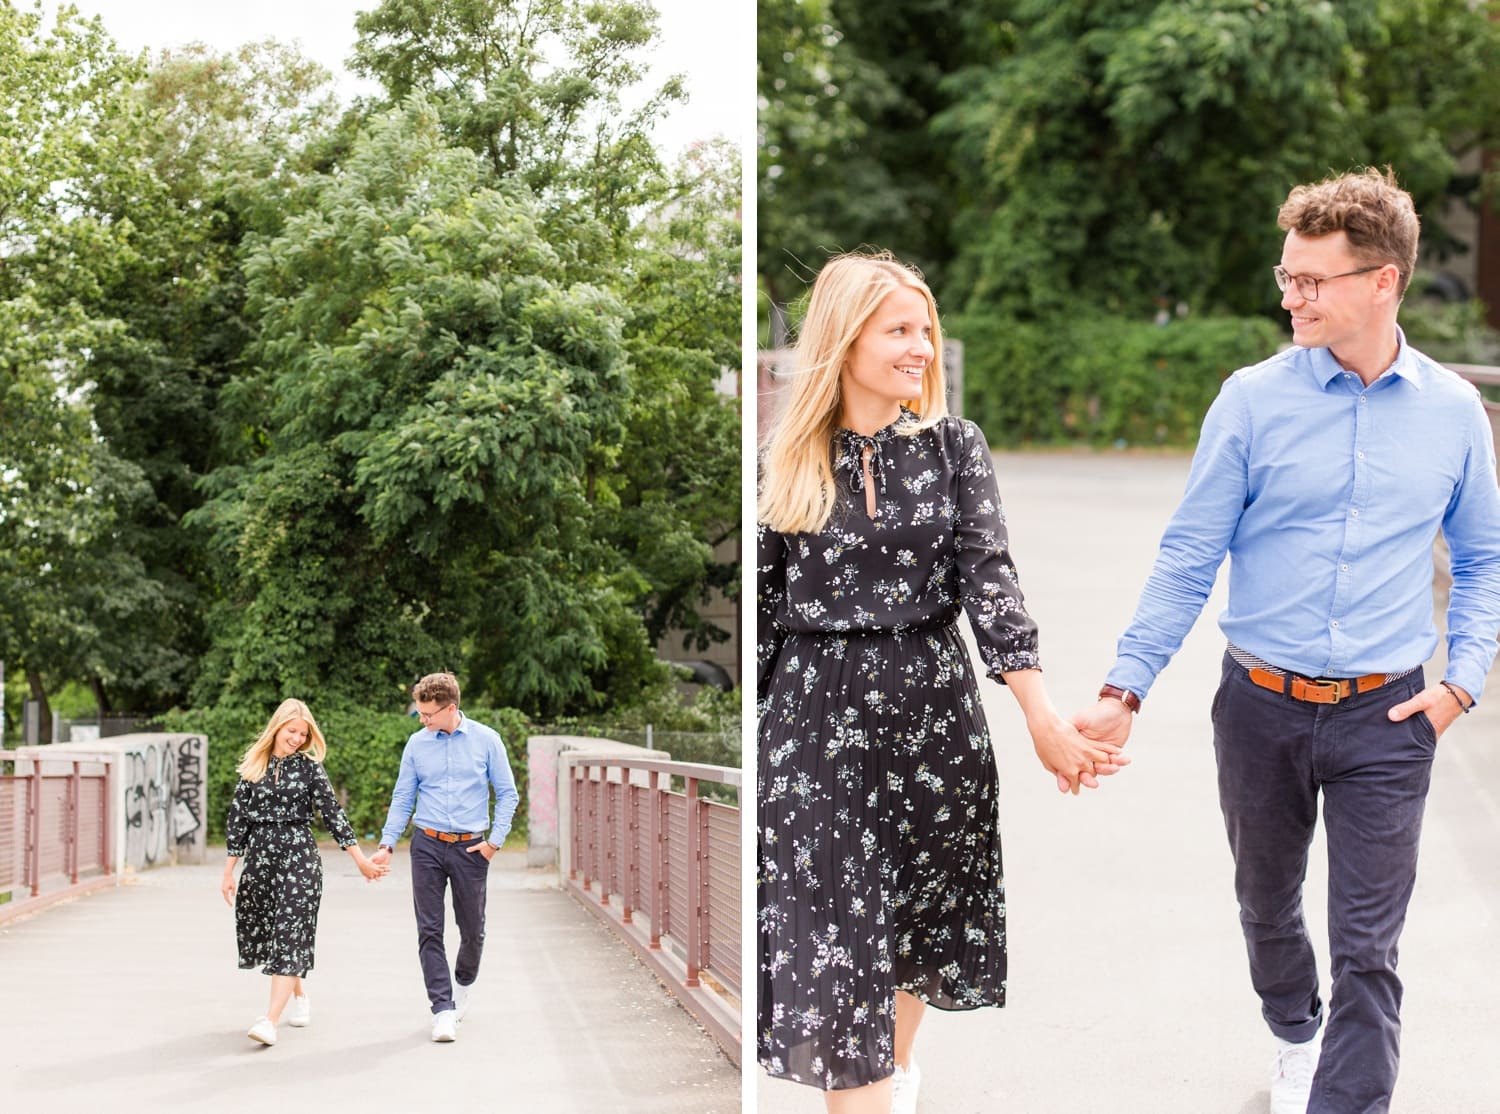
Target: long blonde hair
{"x": 796, "y": 484}
{"x": 257, "y": 756}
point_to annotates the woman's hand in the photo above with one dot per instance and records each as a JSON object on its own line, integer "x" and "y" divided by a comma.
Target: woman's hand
{"x": 226, "y": 887}
{"x": 371, "y": 871}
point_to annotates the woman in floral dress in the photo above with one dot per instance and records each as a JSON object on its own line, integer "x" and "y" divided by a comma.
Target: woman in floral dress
{"x": 880, "y": 882}
{"x": 282, "y": 783}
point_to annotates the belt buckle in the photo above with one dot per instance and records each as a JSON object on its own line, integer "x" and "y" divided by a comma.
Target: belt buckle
{"x": 1330, "y": 692}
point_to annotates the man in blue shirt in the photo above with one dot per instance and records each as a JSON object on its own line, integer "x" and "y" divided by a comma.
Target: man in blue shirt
{"x": 1324, "y": 474}
{"x": 447, "y": 771}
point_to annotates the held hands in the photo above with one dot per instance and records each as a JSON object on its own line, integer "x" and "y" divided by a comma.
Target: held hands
{"x": 1072, "y": 757}
{"x": 371, "y": 869}
{"x": 382, "y": 857}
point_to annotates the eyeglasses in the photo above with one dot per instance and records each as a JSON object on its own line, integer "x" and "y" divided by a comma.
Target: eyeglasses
{"x": 1307, "y": 286}
{"x": 425, "y": 716}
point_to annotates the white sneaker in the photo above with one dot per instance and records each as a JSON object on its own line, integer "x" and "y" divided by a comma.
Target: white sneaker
{"x": 445, "y": 1026}
{"x": 300, "y": 1014}
{"x": 904, "y": 1088}
{"x": 262, "y": 1031}
{"x": 461, "y": 998}
{"x": 1292, "y": 1076}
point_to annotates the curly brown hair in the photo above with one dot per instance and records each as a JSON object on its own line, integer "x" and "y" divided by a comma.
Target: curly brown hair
{"x": 1368, "y": 207}
{"x": 438, "y": 688}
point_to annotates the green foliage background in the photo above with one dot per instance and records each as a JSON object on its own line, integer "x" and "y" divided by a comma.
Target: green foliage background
{"x": 1067, "y": 172}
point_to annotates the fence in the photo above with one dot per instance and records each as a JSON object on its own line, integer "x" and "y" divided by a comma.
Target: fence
{"x": 55, "y": 823}
{"x": 663, "y": 869}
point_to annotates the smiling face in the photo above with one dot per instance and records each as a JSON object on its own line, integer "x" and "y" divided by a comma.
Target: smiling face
{"x": 291, "y": 737}
{"x": 887, "y": 360}
{"x": 1348, "y": 309}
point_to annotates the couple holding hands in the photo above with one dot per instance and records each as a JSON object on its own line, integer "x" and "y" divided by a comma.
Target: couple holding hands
{"x": 448, "y": 769}
{"x": 1324, "y": 473}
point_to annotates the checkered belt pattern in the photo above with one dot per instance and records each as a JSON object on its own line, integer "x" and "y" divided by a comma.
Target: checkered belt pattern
{"x": 1311, "y": 690}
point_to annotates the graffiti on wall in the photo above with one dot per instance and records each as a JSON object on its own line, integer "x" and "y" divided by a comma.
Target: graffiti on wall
{"x": 163, "y": 784}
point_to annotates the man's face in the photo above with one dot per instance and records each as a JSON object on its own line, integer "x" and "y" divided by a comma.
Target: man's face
{"x": 1346, "y": 308}
{"x": 438, "y": 717}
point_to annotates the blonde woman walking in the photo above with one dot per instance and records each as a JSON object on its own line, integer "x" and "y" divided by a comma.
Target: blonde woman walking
{"x": 881, "y": 889}
{"x": 282, "y": 783}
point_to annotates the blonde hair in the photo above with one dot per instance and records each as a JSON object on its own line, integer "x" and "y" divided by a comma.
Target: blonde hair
{"x": 1369, "y": 207}
{"x": 257, "y": 756}
{"x": 797, "y": 489}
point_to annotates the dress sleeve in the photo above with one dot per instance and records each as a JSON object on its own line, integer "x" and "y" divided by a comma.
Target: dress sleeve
{"x": 988, "y": 587}
{"x": 770, "y": 592}
{"x": 326, "y": 803}
{"x": 237, "y": 827}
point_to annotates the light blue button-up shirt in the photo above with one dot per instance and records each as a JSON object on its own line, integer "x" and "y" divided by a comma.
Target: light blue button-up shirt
{"x": 1326, "y": 495}
{"x": 448, "y": 777}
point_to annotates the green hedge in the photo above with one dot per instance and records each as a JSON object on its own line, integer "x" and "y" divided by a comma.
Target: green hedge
{"x": 364, "y": 755}
{"x": 1100, "y": 379}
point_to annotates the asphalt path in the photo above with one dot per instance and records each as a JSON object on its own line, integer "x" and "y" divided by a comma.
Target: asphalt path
{"x": 1128, "y": 984}
{"x": 130, "y": 1000}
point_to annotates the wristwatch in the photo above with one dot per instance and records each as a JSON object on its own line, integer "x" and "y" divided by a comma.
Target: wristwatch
{"x": 493, "y": 845}
{"x": 1124, "y": 696}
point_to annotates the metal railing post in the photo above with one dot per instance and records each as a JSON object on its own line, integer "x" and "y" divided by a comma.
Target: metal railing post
{"x": 34, "y": 828}
{"x": 630, "y": 884}
{"x": 654, "y": 798}
{"x": 694, "y": 859}
{"x": 575, "y": 835}
{"x": 70, "y": 828}
{"x": 611, "y": 861}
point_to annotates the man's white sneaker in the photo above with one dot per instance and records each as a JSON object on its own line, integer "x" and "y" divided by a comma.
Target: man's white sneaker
{"x": 299, "y": 1015}
{"x": 461, "y": 998}
{"x": 904, "y": 1088}
{"x": 445, "y": 1026}
{"x": 263, "y": 1030}
{"x": 1292, "y": 1076}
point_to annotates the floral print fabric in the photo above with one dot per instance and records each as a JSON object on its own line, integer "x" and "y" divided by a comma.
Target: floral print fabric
{"x": 879, "y": 846}
{"x": 281, "y": 885}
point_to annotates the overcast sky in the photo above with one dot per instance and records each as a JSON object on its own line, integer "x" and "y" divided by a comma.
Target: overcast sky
{"x": 693, "y": 43}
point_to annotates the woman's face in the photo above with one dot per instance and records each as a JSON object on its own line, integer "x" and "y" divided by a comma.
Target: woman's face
{"x": 886, "y": 363}
{"x": 291, "y": 737}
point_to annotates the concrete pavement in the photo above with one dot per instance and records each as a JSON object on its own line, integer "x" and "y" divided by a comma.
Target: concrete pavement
{"x": 130, "y": 1000}
{"x": 1129, "y": 991}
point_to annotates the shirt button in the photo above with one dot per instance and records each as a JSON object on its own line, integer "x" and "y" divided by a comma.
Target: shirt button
{"x": 1355, "y": 512}
{"x": 1334, "y": 624}
{"x": 1362, "y": 398}
{"x": 1343, "y": 568}
{"x": 1360, "y": 454}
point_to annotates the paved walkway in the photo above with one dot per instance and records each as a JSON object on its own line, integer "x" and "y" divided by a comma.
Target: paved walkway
{"x": 130, "y": 1000}
{"x": 1128, "y": 984}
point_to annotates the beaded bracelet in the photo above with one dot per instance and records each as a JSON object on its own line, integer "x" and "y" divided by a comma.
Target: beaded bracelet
{"x": 1453, "y": 692}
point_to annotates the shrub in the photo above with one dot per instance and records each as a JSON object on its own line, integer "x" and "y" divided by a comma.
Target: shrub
{"x": 1102, "y": 379}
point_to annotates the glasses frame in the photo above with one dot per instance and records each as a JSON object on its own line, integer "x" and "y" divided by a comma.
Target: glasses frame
{"x": 427, "y": 716}
{"x": 1285, "y": 278}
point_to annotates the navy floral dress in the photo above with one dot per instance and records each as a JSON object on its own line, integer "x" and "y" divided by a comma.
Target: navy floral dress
{"x": 879, "y": 844}
{"x": 281, "y": 885}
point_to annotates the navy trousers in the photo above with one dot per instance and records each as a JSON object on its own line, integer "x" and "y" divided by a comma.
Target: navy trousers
{"x": 1275, "y": 756}
{"x": 434, "y": 866}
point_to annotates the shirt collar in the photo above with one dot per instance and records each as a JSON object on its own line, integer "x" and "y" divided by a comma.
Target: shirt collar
{"x": 458, "y": 729}
{"x": 1405, "y": 365}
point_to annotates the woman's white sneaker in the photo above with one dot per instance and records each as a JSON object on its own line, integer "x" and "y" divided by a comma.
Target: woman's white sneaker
{"x": 904, "y": 1088}
{"x": 300, "y": 1014}
{"x": 263, "y": 1030}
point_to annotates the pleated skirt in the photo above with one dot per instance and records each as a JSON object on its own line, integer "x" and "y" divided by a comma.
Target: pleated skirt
{"x": 276, "y": 905}
{"x": 879, "y": 849}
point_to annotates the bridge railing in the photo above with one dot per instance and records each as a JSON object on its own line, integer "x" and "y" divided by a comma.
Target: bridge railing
{"x": 662, "y": 867}
{"x": 55, "y": 827}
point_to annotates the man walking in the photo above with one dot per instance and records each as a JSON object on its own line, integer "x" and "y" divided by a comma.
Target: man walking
{"x": 447, "y": 771}
{"x": 1324, "y": 473}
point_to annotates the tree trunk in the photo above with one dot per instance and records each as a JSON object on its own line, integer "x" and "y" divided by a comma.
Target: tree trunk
{"x": 39, "y": 694}
{"x": 101, "y": 698}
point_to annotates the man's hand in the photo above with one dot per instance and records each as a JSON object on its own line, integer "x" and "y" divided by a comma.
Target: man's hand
{"x": 1107, "y": 721}
{"x": 1441, "y": 705}
{"x": 381, "y": 857}
{"x": 485, "y": 848}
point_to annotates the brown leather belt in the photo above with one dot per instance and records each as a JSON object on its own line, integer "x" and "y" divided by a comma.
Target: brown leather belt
{"x": 1319, "y": 690}
{"x": 451, "y": 837}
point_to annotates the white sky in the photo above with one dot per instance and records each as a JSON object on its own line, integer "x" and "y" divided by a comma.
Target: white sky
{"x": 694, "y": 38}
